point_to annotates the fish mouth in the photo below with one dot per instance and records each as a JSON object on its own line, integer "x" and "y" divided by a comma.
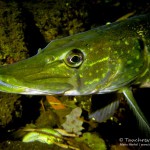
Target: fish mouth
{"x": 9, "y": 88}
{"x": 33, "y": 81}
{"x": 38, "y": 87}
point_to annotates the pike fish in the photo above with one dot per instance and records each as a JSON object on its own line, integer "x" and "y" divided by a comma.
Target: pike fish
{"x": 105, "y": 59}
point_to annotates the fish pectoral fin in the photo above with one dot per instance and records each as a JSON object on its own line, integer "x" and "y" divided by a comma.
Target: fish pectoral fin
{"x": 143, "y": 123}
{"x": 105, "y": 113}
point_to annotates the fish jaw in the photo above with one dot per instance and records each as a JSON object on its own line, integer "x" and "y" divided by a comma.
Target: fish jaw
{"x": 34, "y": 77}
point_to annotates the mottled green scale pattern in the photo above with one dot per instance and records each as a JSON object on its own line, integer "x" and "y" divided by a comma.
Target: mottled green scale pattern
{"x": 95, "y": 65}
{"x": 120, "y": 60}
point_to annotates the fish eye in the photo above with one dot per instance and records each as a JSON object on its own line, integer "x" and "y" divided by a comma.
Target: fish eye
{"x": 74, "y": 58}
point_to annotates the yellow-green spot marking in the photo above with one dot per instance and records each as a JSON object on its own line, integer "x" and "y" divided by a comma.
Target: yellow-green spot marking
{"x": 137, "y": 69}
{"x": 80, "y": 75}
{"x": 103, "y": 75}
{"x": 99, "y": 61}
{"x": 90, "y": 82}
{"x": 126, "y": 43}
{"x": 129, "y": 61}
{"x": 118, "y": 43}
{"x": 90, "y": 74}
{"x": 97, "y": 71}
{"x": 137, "y": 57}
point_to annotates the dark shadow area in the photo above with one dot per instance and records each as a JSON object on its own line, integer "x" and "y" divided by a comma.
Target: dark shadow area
{"x": 142, "y": 96}
{"x": 101, "y": 100}
{"x": 30, "y": 111}
{"x": 33, "y": 38}
{"x": 109, "y": 11}
{"x": 129, "y": 127}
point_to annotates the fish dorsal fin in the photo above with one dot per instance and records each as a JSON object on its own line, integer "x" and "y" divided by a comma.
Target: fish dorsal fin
{"x": 143, "y": 123}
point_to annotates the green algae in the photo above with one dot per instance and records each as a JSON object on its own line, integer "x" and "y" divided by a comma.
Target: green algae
{"x": 93, "y": 141}
{"x": 12, "y": 45}
{"x": 9, "y": 109}
{"x": 57, "y": 18}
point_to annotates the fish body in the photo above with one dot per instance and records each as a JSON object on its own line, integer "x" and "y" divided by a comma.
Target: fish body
{"x": 105, "y": 59}
{"x": 100, "y": 60}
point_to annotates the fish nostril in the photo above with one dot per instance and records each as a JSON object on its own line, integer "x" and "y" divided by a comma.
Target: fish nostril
{"x": 50, "y": 59}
